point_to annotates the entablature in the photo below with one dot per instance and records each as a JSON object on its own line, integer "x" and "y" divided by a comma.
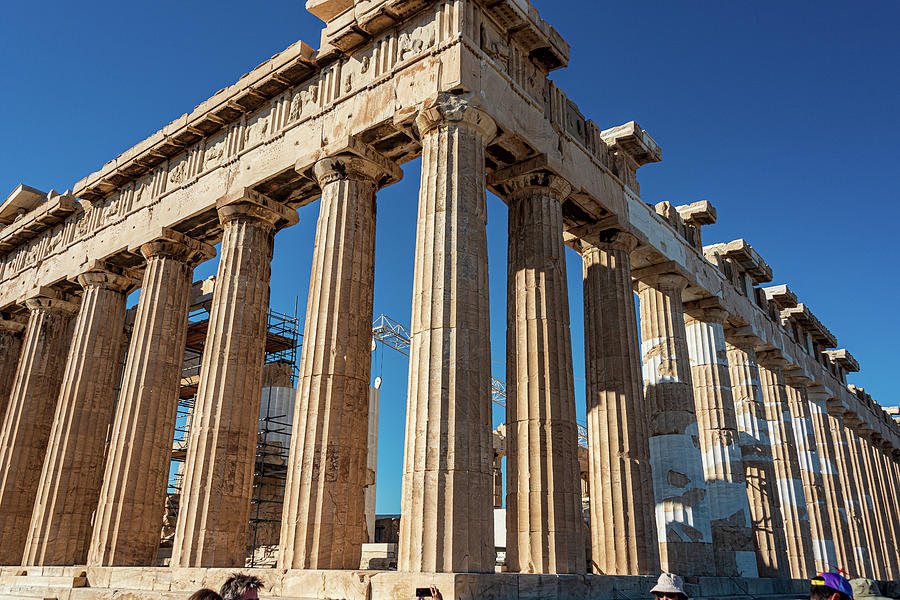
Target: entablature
{"x": 843, "y": 359}
{"x": 34, "y": 218}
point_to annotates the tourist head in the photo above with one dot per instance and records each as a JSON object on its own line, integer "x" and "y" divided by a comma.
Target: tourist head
{"x": 241, "y": 587}
{"x": 205, "y": 594}
{"x": 669, "y": 587}
{"x": 830, "y": 586}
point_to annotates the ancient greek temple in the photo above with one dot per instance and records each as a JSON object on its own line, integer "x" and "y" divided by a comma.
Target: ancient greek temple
{"x": 723, "y": 442}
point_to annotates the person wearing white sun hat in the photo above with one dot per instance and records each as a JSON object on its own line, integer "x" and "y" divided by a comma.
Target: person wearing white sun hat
{"x": 669, "y": 587}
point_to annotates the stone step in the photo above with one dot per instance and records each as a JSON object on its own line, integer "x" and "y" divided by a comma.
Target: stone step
{"x": 43, "y": 581}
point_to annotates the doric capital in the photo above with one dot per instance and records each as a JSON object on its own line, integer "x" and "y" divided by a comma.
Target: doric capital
{"x": 50, "y": 300}
{"x": 349, "y": 166}
{"x": 449, "y": 109}
{"x": 665, "y": 281}
{"x": 772, "y": 359}
{"x": 818, "y": 394}
{"x": 108, "y": 276}
{"x": 611, "y": 239}
{"x": 708, "y": 310}
{"x": 743, "y": 338}
{"x": 851, "y": 419}
{"x": 177, "y": 246}
{"x": 797, "y": 380}
{"x": 249, "y": 204}
{"x": 537, "y": 181}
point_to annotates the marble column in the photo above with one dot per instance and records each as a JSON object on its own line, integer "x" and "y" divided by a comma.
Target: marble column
{"x": 891, "y": 501}
{"x": 852, "y": 493}
{"x": 132, "y": 498}
{"x": 29, "y": 416}
{"x": 881, "y": 550}
{"x": 834, "y": 489}
{"x": 892, "y": 497}
{"x": 732, "y": 533}
{"x": 623, "y": 521}
{"x": 213, "y": 518}
{"x": 70, "y": 481}
{"x": 682, "y": 502}
{"x": 883, "y": 510}
{"x": 756, "y": 454}
{"x": 544, "y": 525}
{"x": 858, "y": 472}
{"x": 794, "y": 512}
{"x": 324, "y": 519}
{"x": 446, "y": 501}
{"x": 807, "y": 451}
{"x": 10, "y": 347}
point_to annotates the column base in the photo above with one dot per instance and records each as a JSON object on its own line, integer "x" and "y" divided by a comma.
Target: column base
{"x": 146, "y": 583}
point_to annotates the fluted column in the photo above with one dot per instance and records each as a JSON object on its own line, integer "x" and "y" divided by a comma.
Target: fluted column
{"x": 10, "y": 347}
{"x": 879, "y": 497}
{"x": 446, "y": 502}
{"x": 623, "y": 521}
{"x": 324, "y": 522}
{"x": 794, "y": 512}
{"x": 544, "y": 526}
{"x": 132, "y": 498}
{"x": 732, "y": 533}
{"x": 214, "y": 509}
{"x": 29, "y": 416}
{"x": 682, "y": 503}
{"x": 890, "y": 501}
{"x": 852, "y": 494}
{"x": 756, "y": 455}
{"x": 834, "y": 489}
{"x": 874, "y": 492}
{"x": 858, "y": 472}
{"x": 72, "y": 474}
{"x": 807, "y": 452}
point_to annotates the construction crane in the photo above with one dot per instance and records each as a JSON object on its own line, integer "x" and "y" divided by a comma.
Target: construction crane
{"x": 396, "y": 335}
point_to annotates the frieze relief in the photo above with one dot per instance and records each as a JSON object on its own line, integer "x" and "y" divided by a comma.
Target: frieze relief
{"x": 493, "y": 44}
{"x": 259, "y": 125}
{"x": 414, "y": 43}
{"x": 299, "y": 103}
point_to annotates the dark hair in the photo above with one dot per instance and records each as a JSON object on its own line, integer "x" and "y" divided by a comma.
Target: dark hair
{"x": 239, "y": 584}
{"x": 205, "y": 594}
{"x": 823, "y": 592}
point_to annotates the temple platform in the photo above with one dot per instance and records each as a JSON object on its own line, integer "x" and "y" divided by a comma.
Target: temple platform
{"x": 140, "y": 583}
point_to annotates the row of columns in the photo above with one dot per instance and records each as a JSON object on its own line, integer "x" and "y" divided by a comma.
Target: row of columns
{"x": 749, "y": 472}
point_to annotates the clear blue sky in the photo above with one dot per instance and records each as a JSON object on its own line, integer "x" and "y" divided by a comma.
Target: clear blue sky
{"x": 784, "y": 115}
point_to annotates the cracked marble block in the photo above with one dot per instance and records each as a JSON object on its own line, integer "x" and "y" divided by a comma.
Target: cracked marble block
{"x": 682, "y": 503}
{"x": 756, "y": 456}
{"x": 732, "y": 533}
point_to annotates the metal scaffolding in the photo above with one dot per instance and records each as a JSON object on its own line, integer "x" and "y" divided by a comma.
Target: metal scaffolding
{"x": 283, "y": 339}
{"x": 395, "y": 335}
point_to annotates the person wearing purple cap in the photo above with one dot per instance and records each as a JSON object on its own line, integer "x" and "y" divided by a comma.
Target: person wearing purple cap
{"x": 830, "y": 586}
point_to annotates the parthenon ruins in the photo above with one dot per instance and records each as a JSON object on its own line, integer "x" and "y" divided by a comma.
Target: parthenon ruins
{"x": 722, "y": 443}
